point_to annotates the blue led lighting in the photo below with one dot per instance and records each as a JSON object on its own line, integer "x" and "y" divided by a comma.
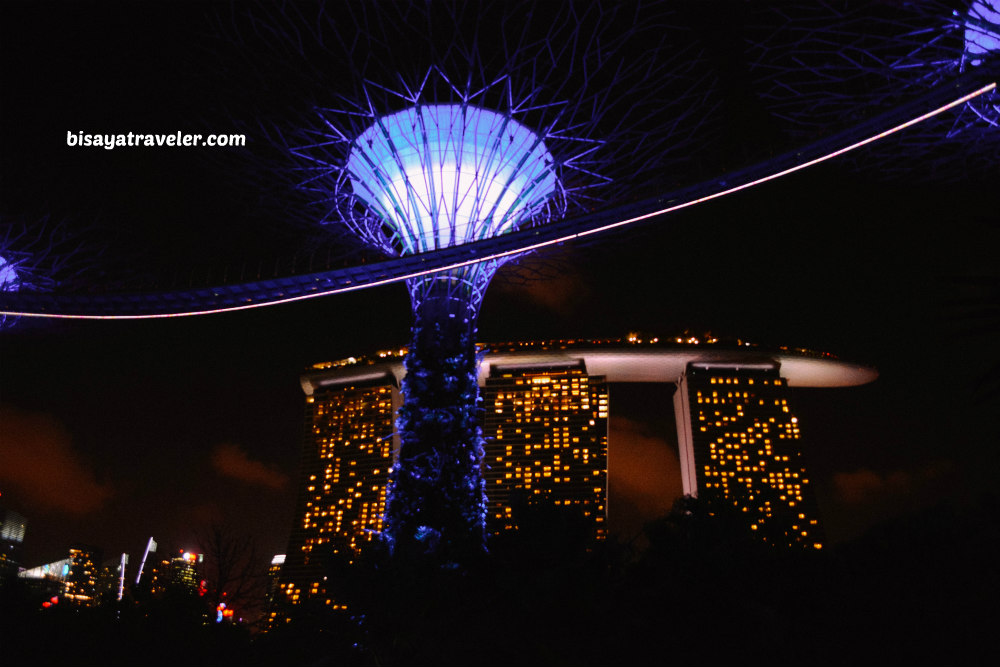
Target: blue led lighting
{"x": 9, "y": 280}
{"x": 982, "y": 29}
{"x": 441, "y": 175}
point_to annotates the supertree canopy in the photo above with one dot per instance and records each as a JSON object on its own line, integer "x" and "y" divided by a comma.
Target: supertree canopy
{"x": 824, "y": 65}
{"x": 982, "y": 46}
{"x": 37, "y": 257}
{"x": 449, "y": 174}
{"x": 982, "y": 30}
{"x": 10, "y": 281}
{"x": 440, "y": 175}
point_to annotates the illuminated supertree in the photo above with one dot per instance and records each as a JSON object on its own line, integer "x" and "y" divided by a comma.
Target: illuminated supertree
{"x": 825, "y": 65}
{"x": 37, "y": 257}
{"x": 521, "y": 116}
{"x": 432, "y": 176}
{"x": 10, "y": 281}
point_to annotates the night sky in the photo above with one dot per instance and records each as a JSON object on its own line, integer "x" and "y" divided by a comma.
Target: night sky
{"x": 114, "y": 431}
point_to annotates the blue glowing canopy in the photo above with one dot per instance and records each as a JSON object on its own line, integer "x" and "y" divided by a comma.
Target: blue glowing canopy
{"x": 982, "y": 29}
{"x": 9, "y": 280}
{"x": 442, "y": 175}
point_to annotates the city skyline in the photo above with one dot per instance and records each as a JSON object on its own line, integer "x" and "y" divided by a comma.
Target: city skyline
{"x": 162, "y": 426}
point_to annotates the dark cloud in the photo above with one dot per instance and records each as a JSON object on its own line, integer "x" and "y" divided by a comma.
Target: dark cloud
{"x": 644, "y": 476}
{"x": 231, "y": 461}
{"x": 556, "y": 286}
{"x": 206, "y": 514}
{"x": 37, "y": 459}
{"x": 867, "y": 486}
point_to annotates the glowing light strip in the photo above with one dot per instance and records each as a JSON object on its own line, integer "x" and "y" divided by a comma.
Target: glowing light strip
{"x": 541, "y": 244}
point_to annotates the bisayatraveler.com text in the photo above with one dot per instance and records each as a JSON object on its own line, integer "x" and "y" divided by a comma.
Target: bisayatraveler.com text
{"x": 140, "y": 140}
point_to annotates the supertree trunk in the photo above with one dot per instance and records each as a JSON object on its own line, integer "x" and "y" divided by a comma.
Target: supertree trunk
{"x": 437, "y": 503}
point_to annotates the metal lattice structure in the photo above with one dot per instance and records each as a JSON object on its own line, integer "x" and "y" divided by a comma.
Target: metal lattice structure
{"x": 822, "y": 66}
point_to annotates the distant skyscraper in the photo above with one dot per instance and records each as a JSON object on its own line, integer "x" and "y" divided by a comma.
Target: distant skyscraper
{"x": 184, "y": 573}
{"x": 271, "y": 600}
{"x": 81, "y": 584}
{"x": 546, "y": 430}
{"x": 179, "y": 574}
{"x": 347, "y": 457}
{"x": 741, "y": 450}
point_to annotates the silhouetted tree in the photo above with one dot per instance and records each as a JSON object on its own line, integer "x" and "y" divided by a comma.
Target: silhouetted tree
{"x": 234, "y": 571}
